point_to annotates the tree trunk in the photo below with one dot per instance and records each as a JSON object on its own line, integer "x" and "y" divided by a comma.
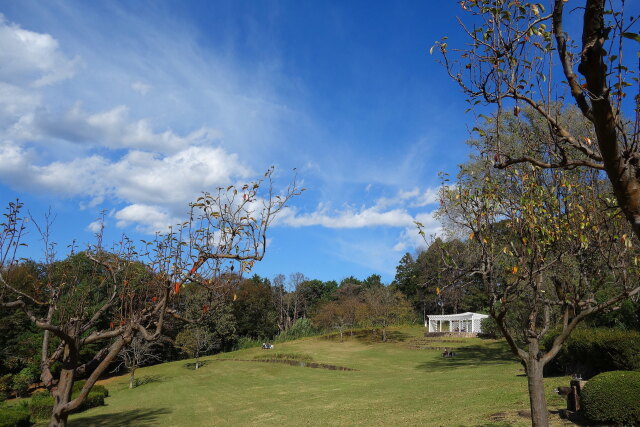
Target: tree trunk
{"x": 132, "y": 379}
{"x": 61, "y": 396}
{"x": 384, "y": 335}
{"x": 537, "y": 400}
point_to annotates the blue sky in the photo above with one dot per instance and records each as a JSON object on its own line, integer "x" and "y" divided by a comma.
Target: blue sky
{"x": 136, "y": 107}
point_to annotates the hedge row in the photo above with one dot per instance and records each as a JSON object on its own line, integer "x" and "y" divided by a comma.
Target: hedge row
{"x": 590, "y": 351}
{"x": 613, "y": 398}
{"x": 42, "y": 403}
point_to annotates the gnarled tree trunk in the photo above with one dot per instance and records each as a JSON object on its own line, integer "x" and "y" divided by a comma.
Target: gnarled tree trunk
{"x": 535, "y": 382}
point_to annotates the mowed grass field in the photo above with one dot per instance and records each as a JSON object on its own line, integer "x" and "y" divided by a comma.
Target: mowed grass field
{"x": 393, "y": 384}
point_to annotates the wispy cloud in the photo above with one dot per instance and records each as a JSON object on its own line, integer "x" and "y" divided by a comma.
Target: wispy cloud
{"x": 117, "y": 156}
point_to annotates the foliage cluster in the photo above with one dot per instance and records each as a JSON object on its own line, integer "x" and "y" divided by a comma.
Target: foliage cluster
{"x": 612, "y": 398}
{"x": 300, "y": 329}
{"x": 41, "y": 403}
{"x": 15, "y": 416}
{"x": 590, "y": 351}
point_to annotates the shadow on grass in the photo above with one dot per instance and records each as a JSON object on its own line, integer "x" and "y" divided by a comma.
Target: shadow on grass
{"x": 147, "y": 379}
{"x": 192, "y": 365}
{"x": 137, "y": 417}
{"x": 490, "y": 353}
{"x": 369, "y": 336}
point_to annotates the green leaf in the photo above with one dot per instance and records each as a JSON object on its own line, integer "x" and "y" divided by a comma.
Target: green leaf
{"x": 632, "y": 36}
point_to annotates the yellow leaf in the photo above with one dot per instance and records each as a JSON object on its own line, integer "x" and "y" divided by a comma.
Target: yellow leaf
{"x": 471, "y": 236}
{"x": 514, "y": 270}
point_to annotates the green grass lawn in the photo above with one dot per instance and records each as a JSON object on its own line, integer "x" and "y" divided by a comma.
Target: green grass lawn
{"x": 392, "y": 384}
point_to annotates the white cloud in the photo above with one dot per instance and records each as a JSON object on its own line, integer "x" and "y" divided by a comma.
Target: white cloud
{"x": 138, "y": 178}
{"x": 386, "y": 212}
{"x": 428, "y": 197}
{"x": 152, "y": 218}
{"x": 348, "y": 218}
{"x": 114, "y": 130}
{"x": 32, "y": 58}
{"x": 410, "y": 238}
{"x": 140, "y": 87}
{"x": 95, "y": 226}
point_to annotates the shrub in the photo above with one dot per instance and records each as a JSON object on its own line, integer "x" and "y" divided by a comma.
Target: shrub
{"x": 590, "y": 351}
{"x": 14, "y": 416}
{"x": 5, "y": 387}
{"x": 42, "y": 403}
{"x": 612, "y": 397}
{"x": 246, "y": 342}
{"x": 97, "y": 388}
{"x": 490, "y": 328}
{"x": 23, "y": 379}
{"x": 92, "y": 400}
{"x": 301, "y": 328}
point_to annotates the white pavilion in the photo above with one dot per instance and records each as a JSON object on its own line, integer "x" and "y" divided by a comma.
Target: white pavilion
{"x": 462, "y": 323}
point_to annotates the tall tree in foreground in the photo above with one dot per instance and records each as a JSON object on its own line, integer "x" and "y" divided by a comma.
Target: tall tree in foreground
{"x": 543, "y": 243}
{"x": 110, "y": 297}
{"x": 518, "y": 55}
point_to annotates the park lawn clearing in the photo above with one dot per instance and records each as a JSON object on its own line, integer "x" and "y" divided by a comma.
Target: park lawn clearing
{"x": 390, "y": 384}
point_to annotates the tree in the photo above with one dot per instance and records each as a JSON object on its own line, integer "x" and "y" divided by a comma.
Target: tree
{"x": 512, "y": 61}
{"x": 544, "y": 243}
{"x": 253, "y": 309}
{"x": 195, "y": 341}
{"x": 332, "y": 315}
{"x": 383, "y": 306}
{"x": 137, "y": 354}
{"x": 109, "y": 297}
{"x": 314, "y": 292}
{"x": 279, "y": 301}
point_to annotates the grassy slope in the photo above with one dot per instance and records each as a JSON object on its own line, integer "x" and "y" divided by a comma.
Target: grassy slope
{"x": 394, "y": 385}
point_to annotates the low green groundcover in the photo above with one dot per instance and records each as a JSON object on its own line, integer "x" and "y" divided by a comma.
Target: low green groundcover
{"x": 613, "y": 398}
{"x": 14, "y": 416}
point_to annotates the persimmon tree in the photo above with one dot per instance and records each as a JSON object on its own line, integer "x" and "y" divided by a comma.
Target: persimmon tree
{"x": 109, "y": 297}
{"x": 520, "y": 55}
{"x": 543, "y": 243}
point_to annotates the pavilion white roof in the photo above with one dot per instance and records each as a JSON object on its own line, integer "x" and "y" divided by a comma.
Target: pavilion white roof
{"x": 460, "y": 316}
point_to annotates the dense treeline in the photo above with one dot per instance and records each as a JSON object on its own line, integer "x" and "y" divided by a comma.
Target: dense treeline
{"x": 242, "y": 311}
{"x": 432, "y": 286}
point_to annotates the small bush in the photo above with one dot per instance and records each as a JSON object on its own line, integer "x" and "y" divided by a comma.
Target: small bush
{"x": 6, "y": 386}
{"x": 490, "y": 328}
{"x": 23, "y": 379}
{"x": 301, "y": 328}
{"x": 590, "y": 351}
{"x": 42, "y": 403}
{"x": 97, "y": 388}
{"x": 246, "y": 342}
{"x": 92, "y": 400}
{"x": 612, "y": 397}
{"x": 15, "y": 416}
